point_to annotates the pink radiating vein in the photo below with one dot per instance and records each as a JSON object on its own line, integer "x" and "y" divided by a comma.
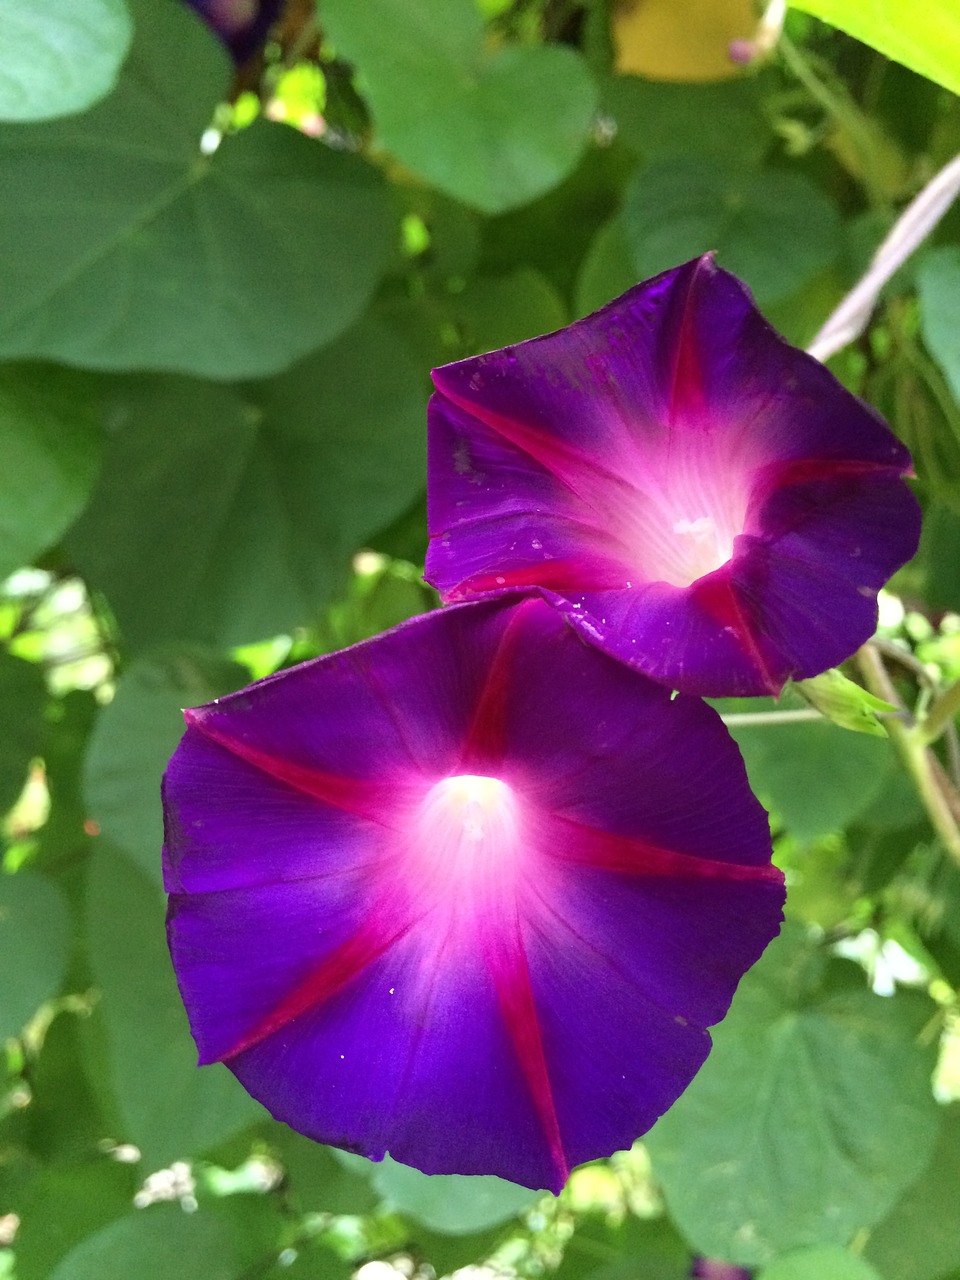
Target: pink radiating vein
{"x": 810, "y": 470}
{"x": 716, "y": 594}
{"x": 507, "y": 963}
{"x": 345, "y": 963}
{"x": 687, "y": 398}
{"x": 582, "y": 475}
{"x": 564, "y": 576}
{"x": 484, "y": 742}
{"x": 628, "y": 855}
{"x": 357, "y": 796}
{"x": 787, "y": 472}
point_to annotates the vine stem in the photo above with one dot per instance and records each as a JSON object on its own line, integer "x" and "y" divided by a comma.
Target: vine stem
{"x": 840, "y": 109}
{"x": 934, "y": 788}
{"x": 913, "y": 226}
{"x": 896, "y": 654}
{"x": 759, "y": 719}
{"x": 941, "y": 714}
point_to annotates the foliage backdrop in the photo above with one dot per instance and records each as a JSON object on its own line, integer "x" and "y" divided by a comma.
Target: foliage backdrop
{"x": 215, "y": 335}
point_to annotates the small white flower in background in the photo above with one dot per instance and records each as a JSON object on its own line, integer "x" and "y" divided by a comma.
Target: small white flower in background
{"x": 175, "y": 1183}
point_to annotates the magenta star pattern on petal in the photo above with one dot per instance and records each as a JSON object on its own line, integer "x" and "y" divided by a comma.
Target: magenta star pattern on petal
{"x": 700, "y": 499}
{"x": 470, "y": 892}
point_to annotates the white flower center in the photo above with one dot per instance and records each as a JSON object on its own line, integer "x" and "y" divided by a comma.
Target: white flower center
{"x": 680, "y": 516}
{"x": 466, "y": 834}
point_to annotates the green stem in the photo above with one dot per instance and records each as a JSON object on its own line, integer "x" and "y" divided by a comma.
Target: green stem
{"x": 308, "y": 34}
{"x": 842, "y": 110}
{"x": 933, "y": 787}
{"x": 941, "y": 714}
{"x": 758, "y": 719}
{"x": 932, "y": 690}
{"x": 933, "y": 380}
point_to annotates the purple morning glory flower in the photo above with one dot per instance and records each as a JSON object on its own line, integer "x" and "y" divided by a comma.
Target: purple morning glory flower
{"x": 242, "y": 25}
{"x": 700, "y": 499}
{"x": 470, "y": 892}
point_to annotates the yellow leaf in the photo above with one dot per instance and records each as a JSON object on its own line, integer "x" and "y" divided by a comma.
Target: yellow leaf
{"x": 680, "y": 39}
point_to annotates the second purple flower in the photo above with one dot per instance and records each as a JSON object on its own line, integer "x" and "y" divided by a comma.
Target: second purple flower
{"x": 701, "y": 500}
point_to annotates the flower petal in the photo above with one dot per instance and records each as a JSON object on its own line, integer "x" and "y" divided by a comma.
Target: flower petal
{"x": 420, "y": 1064}
{"x": 233, "y": 824}
{"x": 241, "y": 953}
{"x": 629, "y": 970}
{"x": 242, "y": 25}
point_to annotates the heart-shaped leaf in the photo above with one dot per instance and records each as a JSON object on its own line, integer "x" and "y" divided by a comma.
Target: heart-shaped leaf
{"x": 809, "y": 1119}
{"x": 49, "y": 455}
{"x": 924, "y": 37}
{"x": 495, "y": 128}
{"x": 123, "y": 246}
{"x": 296, "y": 473}
{"x": 773, "y": 228}
{"x": 58, "y": 58}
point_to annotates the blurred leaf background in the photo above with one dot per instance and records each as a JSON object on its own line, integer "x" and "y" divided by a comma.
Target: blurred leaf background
{"x": 222, "y": 288}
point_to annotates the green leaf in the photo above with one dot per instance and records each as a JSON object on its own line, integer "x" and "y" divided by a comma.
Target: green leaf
{"x": 658, "y": 120}
{"x": 19, "y": 1165}
{"x": 446, "y": 1254}
{"x": 445, "y": 1202}
{"x": 450, "y": 1203}
{"x": 828, "y": 1262}
{"x": 920, "y": 1240}
{"x": 173, "y": 1109}
{"x": 514, "y": 120}
{"x": 816, "y": 777}
{"x": 607, "y": 269}
{"x": 845, "y": 703}
{"x": 799, "y": 316}
{"x": 255, "y": 1223}
{"x": 495, "y": 311}
{"x": 929, "y": 893}
{"x": 136, "y": 735}
{"x": 809, "y": 1119}
{"x": 924, "y": 37}
{"x": 635, "y": 1248}
{"x": 63, "y": 1205}
{"x": 126, "y": 247}
{"x": 34, "y": 940}
{"x": 938, "y": 282}
{"x": 317, "y": 1180}
{"x": 382, "y": 596}
{"x": 311, "y": 1260}
{"x": 773, "y": 229}
{"x": 160, "y": 1243}
{"x": 553, "y": 233}
{"x": 453, "y": 231}
{"x": 940, "y": 553}
{"x": 62, "y": 842}
{"x": 295, "y": 475}
{"x": 72, "y": 1106}
{"x": 56, "y": 59}
{"x": 22, "y": 696}
{"x": 49, "y": 456}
